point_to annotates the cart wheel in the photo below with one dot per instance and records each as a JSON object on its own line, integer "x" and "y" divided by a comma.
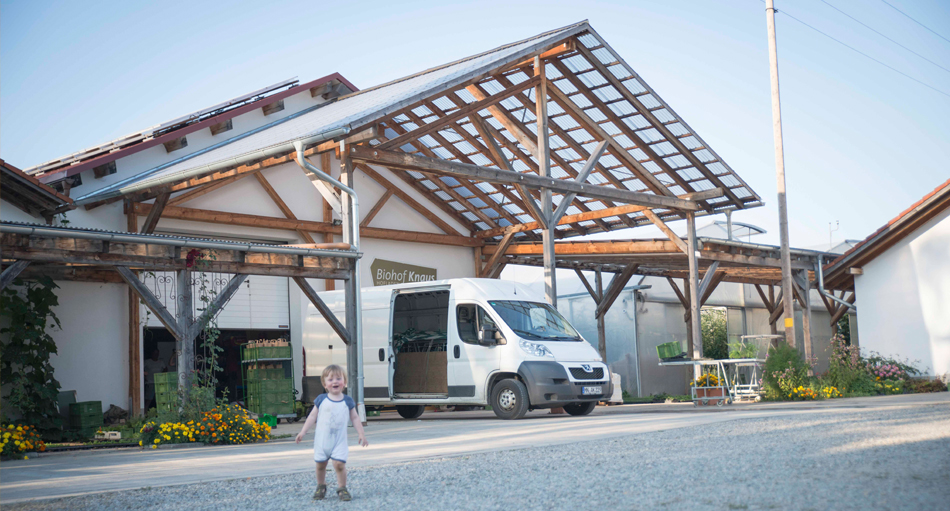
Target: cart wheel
{"x": 720, "y": 402}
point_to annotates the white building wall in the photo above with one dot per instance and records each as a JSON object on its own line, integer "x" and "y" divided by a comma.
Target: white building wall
{"x": 93, "y": 347}
{"x": 903, "y": 298}
{"x": 11, "y": 213}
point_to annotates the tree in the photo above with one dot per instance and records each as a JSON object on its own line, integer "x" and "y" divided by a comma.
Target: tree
{"x": 715, "y": 339}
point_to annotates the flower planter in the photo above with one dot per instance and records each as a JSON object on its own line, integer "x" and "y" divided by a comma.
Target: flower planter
{"x": 712, "y": 395}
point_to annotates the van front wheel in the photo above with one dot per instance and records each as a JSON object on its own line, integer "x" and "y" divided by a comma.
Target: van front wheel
{"x": 410, "y": 411}
{"x": 509, "y": 399}
{"x": 580, "y": 408}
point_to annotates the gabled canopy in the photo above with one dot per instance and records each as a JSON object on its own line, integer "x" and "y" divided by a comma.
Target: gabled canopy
{"x": 480, "y": 111}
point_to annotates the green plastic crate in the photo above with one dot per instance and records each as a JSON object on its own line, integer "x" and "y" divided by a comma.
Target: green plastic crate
{"x": 166, "y": 378}
{"x": 265, "y": 352}
{"x": 85, "y": 408}
{"x": 166, "y": 398}
{"x": 282, "y": 385}
{"x": 669, "y": 350}
{"x": 166, "y": 387}
{"x": 85, "y": 421}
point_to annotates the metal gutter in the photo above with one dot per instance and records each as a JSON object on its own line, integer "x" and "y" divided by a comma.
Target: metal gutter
{"x": 821, "y": 287}
{"x": 64, "y": 232}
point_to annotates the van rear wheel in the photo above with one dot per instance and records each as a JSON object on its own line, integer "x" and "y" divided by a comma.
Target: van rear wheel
{"x": 509, "y": 399}
{"x": 410, "y": 411}
{"x": 580, "y": 408}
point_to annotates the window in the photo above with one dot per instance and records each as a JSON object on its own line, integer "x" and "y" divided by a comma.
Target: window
{"x": 470, "y": 319}
{"x": 535, "y": 321}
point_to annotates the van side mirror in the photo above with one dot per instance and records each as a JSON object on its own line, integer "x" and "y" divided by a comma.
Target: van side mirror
{"x": 486, "y": 336}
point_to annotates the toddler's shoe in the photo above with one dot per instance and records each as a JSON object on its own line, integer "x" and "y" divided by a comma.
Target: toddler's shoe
{"x": 321, "y": 492}
{"x": 344, "y": 494}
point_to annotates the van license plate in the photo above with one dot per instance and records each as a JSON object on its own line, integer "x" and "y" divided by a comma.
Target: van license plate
{"x": 590, "y": 391}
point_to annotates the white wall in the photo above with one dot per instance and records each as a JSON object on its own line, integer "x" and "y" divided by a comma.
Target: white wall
{"x": 903, "y": 298}
{"x": 93, "y": 348}
{"x": 11, "y": 213}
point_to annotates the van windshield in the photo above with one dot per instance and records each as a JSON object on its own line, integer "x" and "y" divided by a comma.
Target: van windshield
{"x": 535, "y": 320}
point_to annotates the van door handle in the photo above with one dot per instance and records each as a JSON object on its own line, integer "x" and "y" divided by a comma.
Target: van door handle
{"x": 458, "y": 352}
{"x": 382, "y": 354}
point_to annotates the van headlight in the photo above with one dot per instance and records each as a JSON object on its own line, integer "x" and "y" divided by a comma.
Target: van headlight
{"x": 535, "y": 349}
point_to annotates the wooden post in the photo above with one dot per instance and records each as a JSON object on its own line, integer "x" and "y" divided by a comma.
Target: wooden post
{"x": 135, "y": 331}
{"x": 780, "y": 176}
{"x": 601, "y": 320}
{"x": 544, "y": 167}
{"x": 695, "y": 330}
{"x": 185, "y": 314}
{"x": 806, "y": 314}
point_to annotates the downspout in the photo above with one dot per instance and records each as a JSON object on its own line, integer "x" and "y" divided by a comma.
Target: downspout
{"x": 821, "y": 287}
{"x": 351, "y": 235}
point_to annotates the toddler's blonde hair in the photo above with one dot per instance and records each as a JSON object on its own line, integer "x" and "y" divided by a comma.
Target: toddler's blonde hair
{"x": 333, "y": 370}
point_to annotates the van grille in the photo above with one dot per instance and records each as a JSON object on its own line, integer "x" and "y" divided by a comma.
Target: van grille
{"x": 597, "y": 373}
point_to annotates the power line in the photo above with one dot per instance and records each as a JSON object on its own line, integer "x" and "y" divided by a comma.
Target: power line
{"x": 884, "y": 36}
{"x": 915, "y": 21}
{"x": 852, "y": 48}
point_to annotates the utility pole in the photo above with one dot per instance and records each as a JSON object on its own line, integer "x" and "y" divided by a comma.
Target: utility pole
{"x": 780, "y": 177}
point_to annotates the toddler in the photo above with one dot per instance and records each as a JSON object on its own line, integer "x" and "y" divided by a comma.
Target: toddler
{"x": 330, "y": 412}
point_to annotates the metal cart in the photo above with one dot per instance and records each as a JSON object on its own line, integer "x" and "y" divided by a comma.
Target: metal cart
{"x": 728, "y": 372}
{"x": 699, "y": 394}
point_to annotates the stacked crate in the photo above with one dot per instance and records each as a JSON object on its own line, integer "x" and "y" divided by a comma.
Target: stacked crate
{"x": 268, "y": 382}
{"x": 85, "y": 417}
{"x": 166, "y": 391}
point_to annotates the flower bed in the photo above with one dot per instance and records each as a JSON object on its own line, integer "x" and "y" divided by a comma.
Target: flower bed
{"x": 16, "y": 440}
{"x": 226, "y": 424}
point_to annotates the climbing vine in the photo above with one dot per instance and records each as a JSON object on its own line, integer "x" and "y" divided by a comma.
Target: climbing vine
{"x": 27, "y": 312}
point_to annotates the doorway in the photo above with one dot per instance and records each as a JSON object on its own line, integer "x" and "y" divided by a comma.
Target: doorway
{"x": 419, "y": 341}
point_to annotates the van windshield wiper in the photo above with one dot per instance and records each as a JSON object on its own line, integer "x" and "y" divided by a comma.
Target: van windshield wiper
{"x": 531, "y": 334}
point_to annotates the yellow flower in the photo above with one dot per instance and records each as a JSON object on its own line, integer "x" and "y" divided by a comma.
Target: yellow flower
{"x": 26, "y": 457}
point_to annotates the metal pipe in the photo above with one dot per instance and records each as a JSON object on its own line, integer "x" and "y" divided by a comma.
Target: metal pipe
{"x": 351, "y": 235}
{"x": 821, "y": 287}
{"x": 63, "y": 232}
{"x": 136, "y": 182}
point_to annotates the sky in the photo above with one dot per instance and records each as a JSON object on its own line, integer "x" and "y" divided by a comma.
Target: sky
{"x": 862, "y": 141}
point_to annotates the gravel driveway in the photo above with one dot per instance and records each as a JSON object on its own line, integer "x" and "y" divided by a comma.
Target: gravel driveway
{"x": 897, "y": 458}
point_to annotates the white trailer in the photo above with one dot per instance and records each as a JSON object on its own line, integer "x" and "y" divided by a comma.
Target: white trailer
{"x": 464, "y": 342}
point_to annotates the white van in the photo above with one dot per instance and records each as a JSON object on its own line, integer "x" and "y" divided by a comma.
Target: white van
{"x": 464, "y": 342}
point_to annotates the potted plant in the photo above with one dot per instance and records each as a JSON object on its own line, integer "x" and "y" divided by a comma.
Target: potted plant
{"x": 708, "y": 386}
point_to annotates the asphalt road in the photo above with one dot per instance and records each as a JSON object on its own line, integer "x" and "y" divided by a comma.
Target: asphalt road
{"x": 392, "y": 441}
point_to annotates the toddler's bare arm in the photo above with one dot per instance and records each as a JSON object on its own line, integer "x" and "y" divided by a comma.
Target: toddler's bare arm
{"x": 355, "y": 419}
{"x": 311, "y": 420}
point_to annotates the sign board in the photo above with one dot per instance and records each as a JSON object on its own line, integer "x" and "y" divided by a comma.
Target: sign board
{"x": 387, "y": 273}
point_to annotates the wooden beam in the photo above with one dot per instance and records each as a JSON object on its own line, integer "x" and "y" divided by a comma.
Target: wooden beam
{"x": 216, "y": 304}
{"x": 325, "y": 311}
{"x": 684, "y": 301}
{"x": 154, "y": 213}
{"x": 333, "y": 145}
{"x": 613, "y": 290}
{"x": 591, "y": 215}
{"x": 151, "y": 301}
{"x": 490, "y": 175}
{"x": 765, "y": 300}
{"x": 604, "y": 247}
{"x": 666, "y": 230}
{"x": 657, "y": 124}
{"x": 412, "y": 203}
{"x": 616, "y": 148}
{"x": 707, "y": 278}
{"x": 225, "y": 218}
{"x": 593, "y": 294}
{"x": 10, "y": 274}
{"x": 284, "y": 208}
{"x": 582, "y": 176}
{"x": 135, "y": 329}
{"x": 717, "y": 277}
{"x": 376, "y": 208}
{"x": 778, "y": 310}
{"x": 325, "y": 162}
{"x": 500, "y": 115}
{"x": 842, "y": 310}
{"x": 461, "y": 113}
{"x": 748, "y": 260}
{"x": 194, "y": 193}
{"x": 496, "y": 257}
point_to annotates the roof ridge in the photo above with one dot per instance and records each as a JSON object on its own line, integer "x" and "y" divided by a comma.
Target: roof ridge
{"x": 464, "y": 59}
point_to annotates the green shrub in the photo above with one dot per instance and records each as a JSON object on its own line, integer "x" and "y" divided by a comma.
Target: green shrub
{"x": 922, "y": 385}
{"x": 785, "y": 370}
{"x": 847, "y": 370}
